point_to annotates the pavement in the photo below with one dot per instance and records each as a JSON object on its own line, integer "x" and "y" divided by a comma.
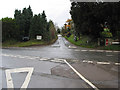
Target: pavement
{"x": 60, "y": 65}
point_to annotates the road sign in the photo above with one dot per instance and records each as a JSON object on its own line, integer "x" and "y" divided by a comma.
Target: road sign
{"x": 39, "y": 37}
{"x": 106, "y": 42}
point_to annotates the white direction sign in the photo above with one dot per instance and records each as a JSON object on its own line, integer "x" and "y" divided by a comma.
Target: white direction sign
{"x": 39, "y": 37}
{"x": 18, "y": 70}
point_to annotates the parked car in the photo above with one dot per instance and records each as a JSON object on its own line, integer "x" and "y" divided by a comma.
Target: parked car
{"x": 25, "y": 39}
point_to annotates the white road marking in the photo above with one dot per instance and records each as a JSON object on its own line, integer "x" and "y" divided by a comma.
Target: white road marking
{"x": 14, "y": 56}
{"x": 75, "y": 60}
{"x": 43, "y": 59}
{"x": 5, "y": 55}
{"x": 81, "y": 76}
{"x": 77, "y": 50}
{"x": 92, "y": 50}
{"x": 90, "y": 62}
{"x": 103, "y": 63}
{"x": 36, "y": 57}
{"x": 85, "y": 61}
{"x": 18, "y": 70}
{"x": 56, "y": 61}
{"x": 60, "y": 59}
{"x": 84, "y": 50}
{"x": 9, "y": 79}
{"x": 32, "y": 58}
{"x": 72, "y": 47}
{"x": 55, "y": 45}
{"x": 117, "y": 63}
{"x": 100, "y": 50}
{"x": 116, "y": 51}
{"x": 22, "y": 57}
{"x": 109, "y": 51}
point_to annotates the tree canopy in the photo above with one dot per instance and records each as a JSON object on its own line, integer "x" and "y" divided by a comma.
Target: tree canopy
{"x": 90, "y": 18}
{"x": 25, "y": 24}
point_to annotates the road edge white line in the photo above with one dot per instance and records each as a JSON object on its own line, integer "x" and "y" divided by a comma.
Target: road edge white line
{"x": 81, "y": 76}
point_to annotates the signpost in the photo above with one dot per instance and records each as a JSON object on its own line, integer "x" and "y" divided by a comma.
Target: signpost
{"x": 106, "y": 42}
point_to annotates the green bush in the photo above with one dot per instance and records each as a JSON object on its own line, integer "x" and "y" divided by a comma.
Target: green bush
{"x": 106, "y": 34}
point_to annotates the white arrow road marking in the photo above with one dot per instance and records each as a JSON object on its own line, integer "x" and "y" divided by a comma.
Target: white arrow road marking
{"x": 18, "y": 70}
{"x": 83, "y": 78}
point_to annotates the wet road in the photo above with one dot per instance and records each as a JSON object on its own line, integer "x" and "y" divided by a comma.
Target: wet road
{"x": 50, "y": 72}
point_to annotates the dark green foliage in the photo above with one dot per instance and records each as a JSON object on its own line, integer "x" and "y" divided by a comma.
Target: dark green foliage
{"x": 89, "y": 18}
{"x": 23, "y": 19}
{"x": 9, "y": 29}
{"x": 25, "y": 24}
{"x": 40, "y": 26}
{"x": 52, "y": 30}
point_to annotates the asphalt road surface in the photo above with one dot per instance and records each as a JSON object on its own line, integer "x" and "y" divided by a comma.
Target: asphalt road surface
{"x": 60, "y": 65}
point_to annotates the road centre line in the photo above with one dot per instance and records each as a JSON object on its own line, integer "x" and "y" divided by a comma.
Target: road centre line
{"x": 97, "y": 51}
{"x": 77, "y": 50}
{"x": 45, "y": 59}
{"x": 109, "y": 51}
{"x": 117, "y": 63}
{"x": 18, "y": 70}
{"x": 91, "y": 50}
{"x": 116, "y": 51}
{"x": 56, "y": 61}
{"x": 103, "y": 63}
{"x": 84, "y": 50}
{"x": 81, "y": 76}
{"x": 90, "y": 61}
{"x": 107, "y": 63}
{"x": 69, "y": 47}
{"x": 85, "y": 61}
{"x": 100, "y": 50}
{"x": 72, "y": 47}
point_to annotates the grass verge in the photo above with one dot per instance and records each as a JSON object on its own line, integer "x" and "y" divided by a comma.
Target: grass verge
{"x": 13, "y": 43}
{"x": 111, "y": 47}
{"x": 83, "y": 43}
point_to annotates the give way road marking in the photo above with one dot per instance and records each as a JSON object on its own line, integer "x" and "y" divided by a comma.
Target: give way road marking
{"x": 18, "y": 70}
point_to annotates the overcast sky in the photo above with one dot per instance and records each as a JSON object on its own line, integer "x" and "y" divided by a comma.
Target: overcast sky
{"x": 56, "y": 10}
